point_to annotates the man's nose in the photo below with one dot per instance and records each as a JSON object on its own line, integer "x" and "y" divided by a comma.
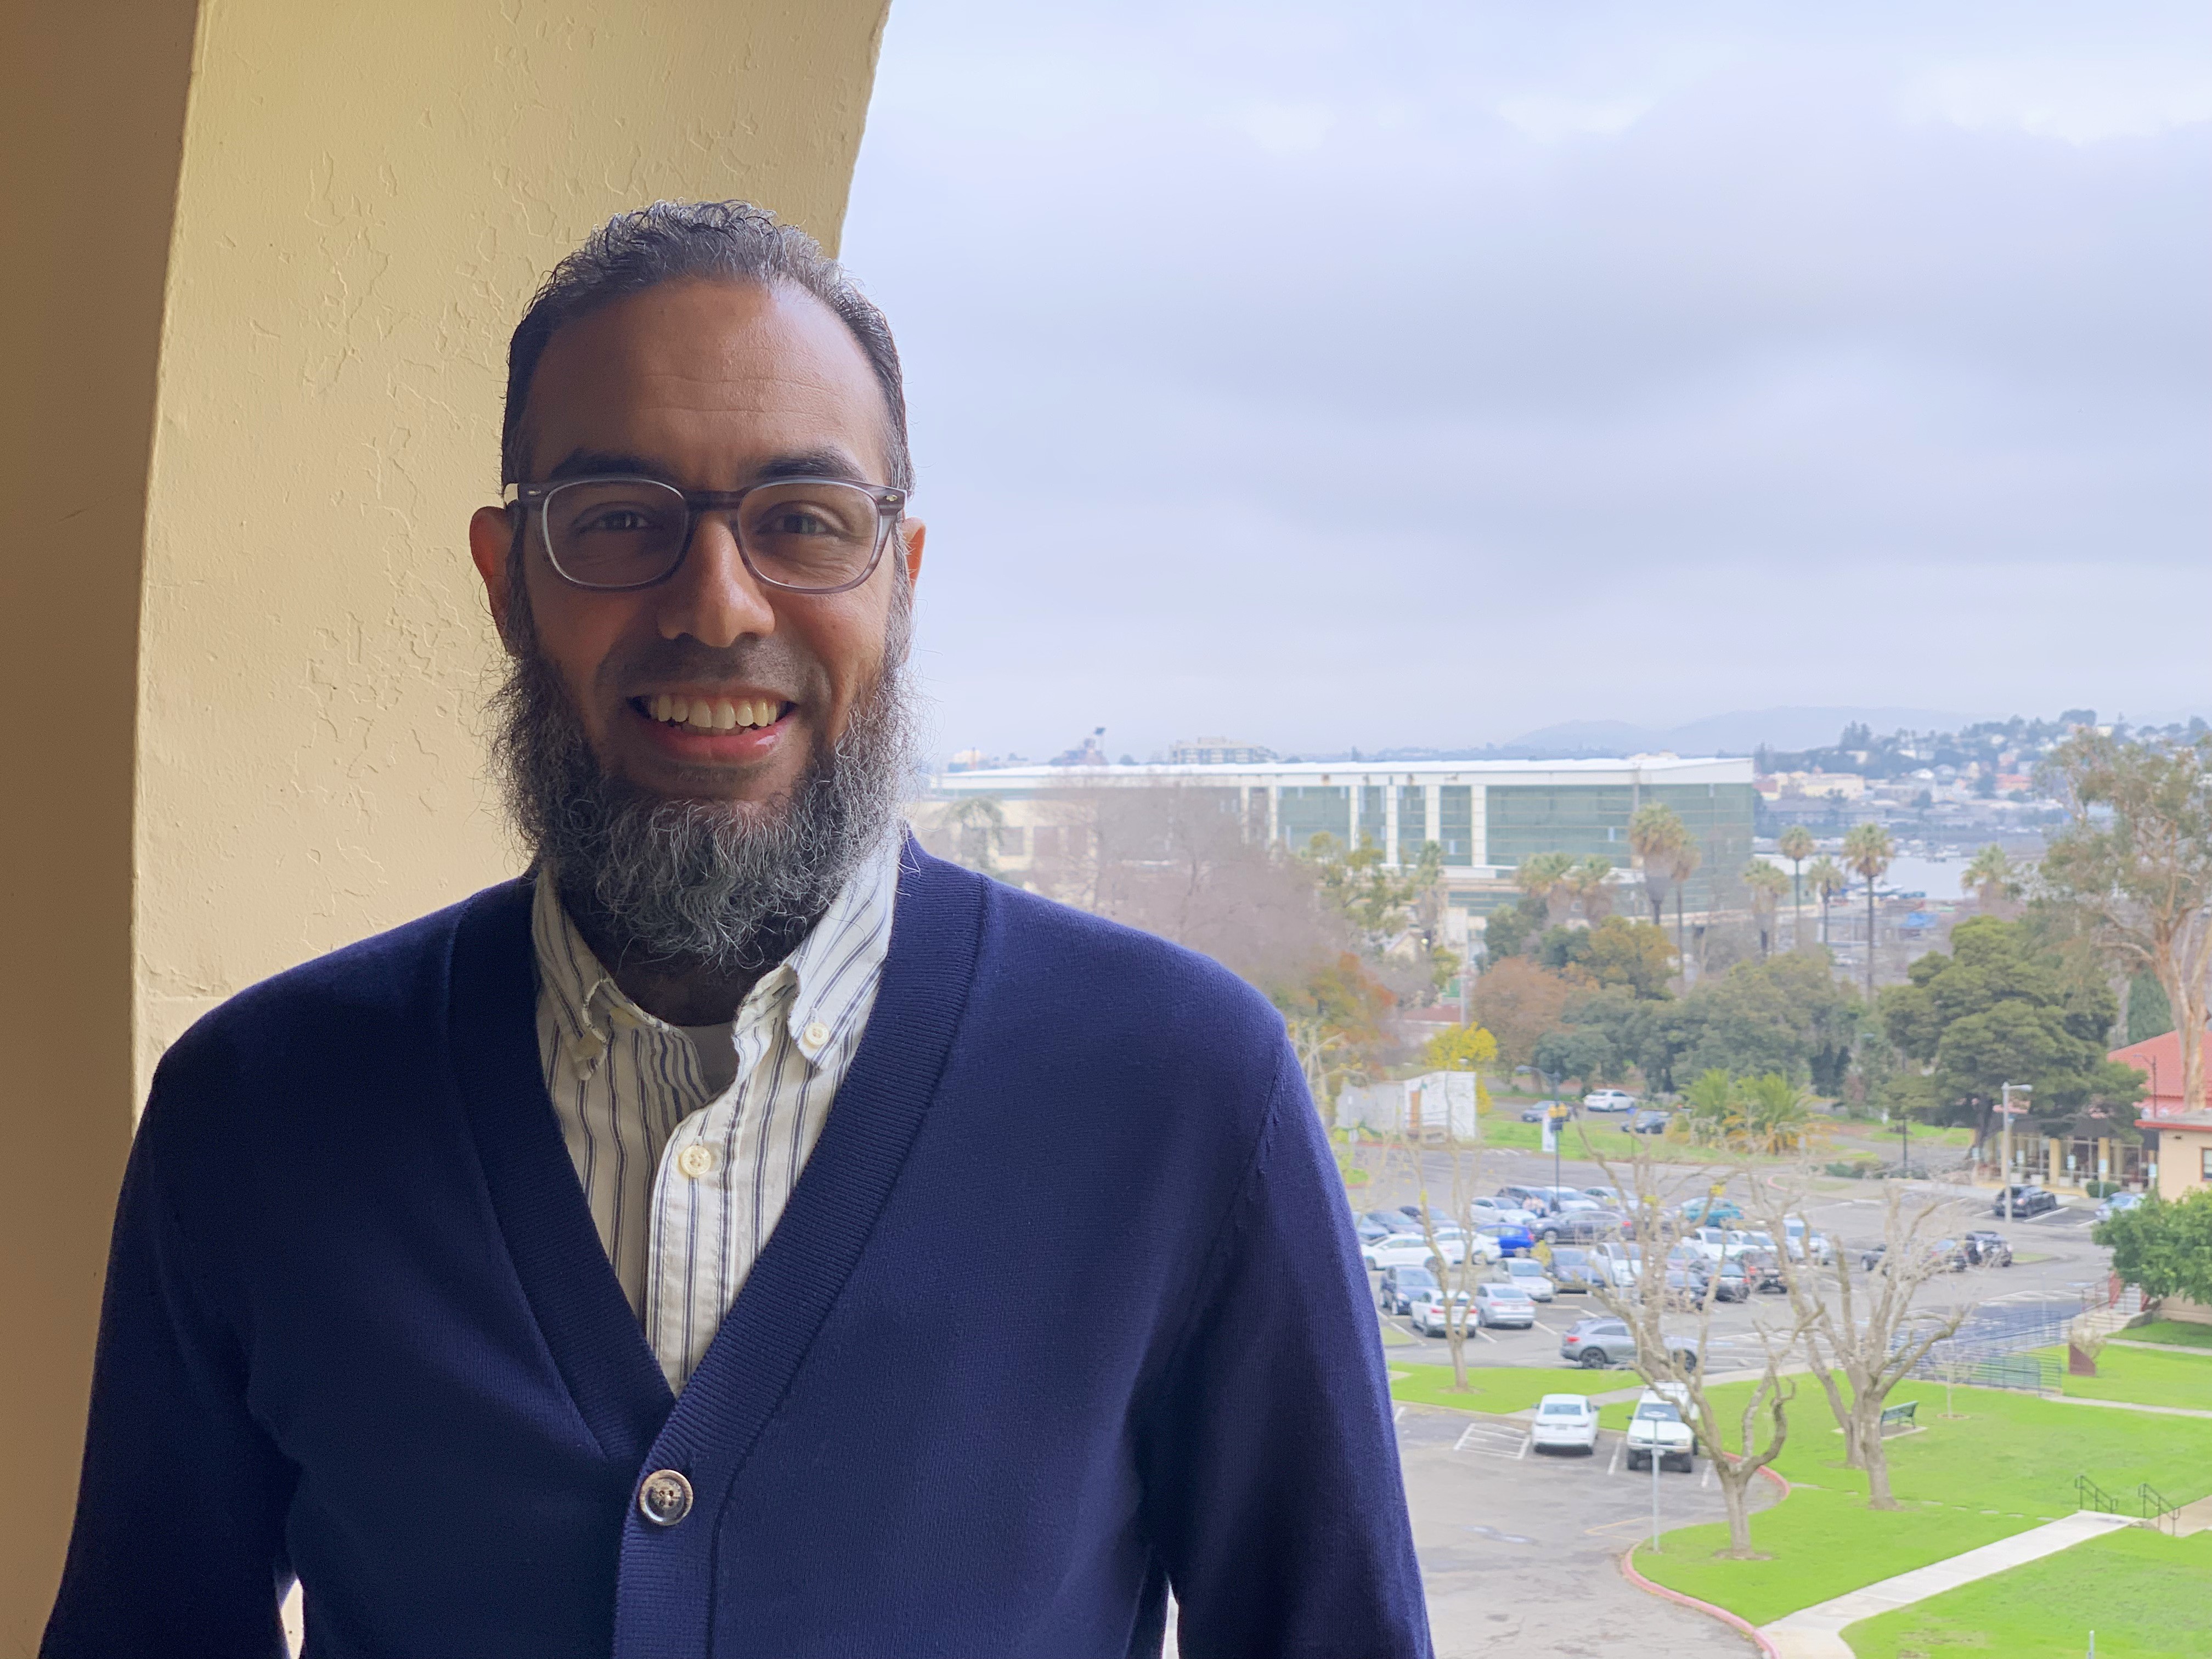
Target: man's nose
{"x": 713, "y": 597}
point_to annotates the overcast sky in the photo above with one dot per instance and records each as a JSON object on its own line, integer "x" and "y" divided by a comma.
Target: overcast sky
{"x": 1395, "y": 374}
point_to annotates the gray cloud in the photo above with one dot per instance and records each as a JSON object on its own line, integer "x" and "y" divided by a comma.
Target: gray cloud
{"x": 1417, "y": 374}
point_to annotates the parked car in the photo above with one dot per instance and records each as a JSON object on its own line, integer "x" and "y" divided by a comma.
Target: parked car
{"x": 1579, "y": 1270}
{"x": 2028, "y": 1200}
{"x": 1430, "y": 1318}
{"x": 1368, "y": 1231}
{"x": 1531, "y": 1199}
{"x": 1608, "y": 1100}
{"x": 1506, "y": 1306}
{"x": 1608, "y": 1196}
{"x": 1530, "y": 1276}
{"x": 1657, "y": 1430}
{"x": 1396, "y": 1221}
{"x": 1763, "y": 1269}
{"x": 1708, "y": 1211}
{"x": 1726, "y": 1282}
{"x": 1649, "y": 1121}
{"x": 1578, "y": 1226}
{"x": 1988, "y": 1249}
{"x": 1805, "y": 1244}
{"x": 1505, "y": 1237}
{"x": 1412, "y": 1214}
{"x": 1563, "y": 1422}
{"x": 1539, "y": 1112}
{"x": 1402, "y": 1286}
{"x": 1603, "y": 1340}
{"x": 1411, "y": 1250}
{"x": 2118, "y": 1203}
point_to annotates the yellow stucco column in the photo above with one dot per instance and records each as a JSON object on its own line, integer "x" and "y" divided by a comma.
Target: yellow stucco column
{"x": 262, "y": 326}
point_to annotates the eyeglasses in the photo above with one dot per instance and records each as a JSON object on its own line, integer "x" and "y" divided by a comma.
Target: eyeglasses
{"x": 803, "y": 535}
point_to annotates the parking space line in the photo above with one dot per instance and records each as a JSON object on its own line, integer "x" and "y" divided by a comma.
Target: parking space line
{"x": 1613, "y": 1468}
{"x": 1465, "y": 1435}
{"x": 1521, "y": 1454}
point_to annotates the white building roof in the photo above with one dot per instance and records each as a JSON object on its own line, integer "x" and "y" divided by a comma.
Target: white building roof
{"x": 1634, "y": 768}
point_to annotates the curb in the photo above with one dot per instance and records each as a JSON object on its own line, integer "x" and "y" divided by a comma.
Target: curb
{"x": 1765, "y": 1644}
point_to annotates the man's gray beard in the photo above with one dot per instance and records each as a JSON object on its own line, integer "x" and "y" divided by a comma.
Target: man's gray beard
{"x": 696, "y": 883}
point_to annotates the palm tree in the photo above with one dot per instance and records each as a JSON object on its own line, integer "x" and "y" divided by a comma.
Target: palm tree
{"x": 1990, "y": 877}
{"x": 1776, "y": 1116}
{"x": 1592, "y": 882}
{"x": 1653, "y": 835}
{"x": 1796, "y": 844}
{"x": 1826, "y": 879}
{"x": 1547, "y": 877}
{"x": 1683, "y": 864}
{"x": 1868, "y": 850}
{"x": 1708, "y": 1107}
{"x": 1767, "y": 884}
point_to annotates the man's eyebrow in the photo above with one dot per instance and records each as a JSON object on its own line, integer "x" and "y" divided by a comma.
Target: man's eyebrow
{"x": 825, "y": 463}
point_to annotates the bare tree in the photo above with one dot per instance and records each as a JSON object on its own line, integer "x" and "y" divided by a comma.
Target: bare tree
{"x": 1670, "y": 1354}
{"x": 1463, "y": 1178}
{"x": 1863, "y": 1324}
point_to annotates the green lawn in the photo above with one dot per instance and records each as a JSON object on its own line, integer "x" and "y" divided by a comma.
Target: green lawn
{"x": 2173, "y": 1331}
{"x": 1821, "y": 1546}
{"x": 2147, "y": 1379}
{"x": 2142, "y": 1593}
{"x": 2006, "y": 1462}
{"x": 1497, "y": 1387}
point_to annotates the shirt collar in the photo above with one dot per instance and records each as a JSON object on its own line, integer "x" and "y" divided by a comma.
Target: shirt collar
{"x": 829, "y": 978}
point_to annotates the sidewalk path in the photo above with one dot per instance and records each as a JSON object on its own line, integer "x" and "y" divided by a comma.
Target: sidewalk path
{"x": 1816, "y": 1632}
{"x": 2126, "y": 1406}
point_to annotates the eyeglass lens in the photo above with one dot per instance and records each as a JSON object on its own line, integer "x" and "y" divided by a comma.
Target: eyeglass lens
{"x": 626, "y": 532}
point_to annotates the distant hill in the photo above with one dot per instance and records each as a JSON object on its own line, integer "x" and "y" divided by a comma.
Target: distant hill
{"x": 1737, "y": 733}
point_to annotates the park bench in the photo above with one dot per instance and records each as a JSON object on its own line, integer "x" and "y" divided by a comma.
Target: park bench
{"x": 1899, "y": 1417}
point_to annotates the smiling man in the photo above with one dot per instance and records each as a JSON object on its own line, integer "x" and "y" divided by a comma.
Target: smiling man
{"x": 743, "y": 1234}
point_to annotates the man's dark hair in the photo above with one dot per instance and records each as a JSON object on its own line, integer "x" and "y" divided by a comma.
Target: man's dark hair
{"x": 717, "y": 242}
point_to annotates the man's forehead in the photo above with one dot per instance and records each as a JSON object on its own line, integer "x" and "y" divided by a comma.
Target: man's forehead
{"x": 693, "y": 365}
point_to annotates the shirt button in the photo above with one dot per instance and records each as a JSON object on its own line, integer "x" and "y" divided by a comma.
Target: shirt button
{"x": 695, "y": 1160}
{"x": 664, "y": 1499}
{"x": 814, "y": 1034}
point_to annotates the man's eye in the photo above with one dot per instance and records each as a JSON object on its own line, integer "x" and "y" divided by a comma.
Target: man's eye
{"x": 615, "y": 521}
{"x": 793, "y": 521}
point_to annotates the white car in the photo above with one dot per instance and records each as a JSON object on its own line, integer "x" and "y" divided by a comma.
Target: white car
{"x": 1657, "y": 1430}
{"x": 1429, "y": 1319}
{"x": 1608, "y": 1100}
{"x": 1563, "y": 1422}
{"x": 1531, "y": 1278}
{"x": 1411, "y": 1250}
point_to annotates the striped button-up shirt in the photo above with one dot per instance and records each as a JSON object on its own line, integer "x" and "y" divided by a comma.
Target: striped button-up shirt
{"x": 687, "y": 1171}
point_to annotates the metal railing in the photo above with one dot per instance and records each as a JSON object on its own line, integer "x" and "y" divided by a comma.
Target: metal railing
{"x": 2146, "y": 1503}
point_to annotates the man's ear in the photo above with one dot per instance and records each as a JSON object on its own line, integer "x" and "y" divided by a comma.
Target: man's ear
{"x": 912, "y": 532}
{"x": 491, "y": 542}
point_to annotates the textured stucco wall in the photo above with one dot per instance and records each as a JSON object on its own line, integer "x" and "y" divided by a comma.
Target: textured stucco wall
{"x": 369, "y": 193}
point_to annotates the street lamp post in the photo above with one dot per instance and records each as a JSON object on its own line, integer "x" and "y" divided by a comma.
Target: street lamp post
{"x": 2005, "y": 1110}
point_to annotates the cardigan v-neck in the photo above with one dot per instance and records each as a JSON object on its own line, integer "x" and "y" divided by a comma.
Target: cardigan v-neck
{"x": 360, "y": 1327}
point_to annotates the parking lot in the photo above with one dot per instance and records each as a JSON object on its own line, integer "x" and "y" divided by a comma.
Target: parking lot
{"x": 1519, "y": 1549}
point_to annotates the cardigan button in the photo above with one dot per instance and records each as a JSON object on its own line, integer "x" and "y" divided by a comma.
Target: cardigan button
{"x": 664, "y": 1499}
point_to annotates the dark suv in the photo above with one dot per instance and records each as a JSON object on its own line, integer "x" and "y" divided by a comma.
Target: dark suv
{"x": 2026, "y": 1200}
{"x": 1401, "y": 1286}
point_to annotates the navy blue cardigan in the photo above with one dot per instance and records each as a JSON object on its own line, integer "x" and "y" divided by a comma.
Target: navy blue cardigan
{"x": 1065, "y": 1310}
